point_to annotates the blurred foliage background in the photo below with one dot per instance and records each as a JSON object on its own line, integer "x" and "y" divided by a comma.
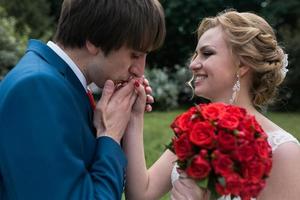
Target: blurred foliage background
{"x": 167, "y": 67}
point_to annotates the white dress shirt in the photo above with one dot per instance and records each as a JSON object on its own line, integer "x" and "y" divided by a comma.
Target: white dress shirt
{"x": 69, "y": 61}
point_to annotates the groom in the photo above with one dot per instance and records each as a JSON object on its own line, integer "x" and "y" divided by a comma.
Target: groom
{"x": 52, "y": 144}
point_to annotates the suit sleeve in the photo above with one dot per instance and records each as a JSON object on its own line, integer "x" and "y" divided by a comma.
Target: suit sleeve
{"x": 43, "y": 146}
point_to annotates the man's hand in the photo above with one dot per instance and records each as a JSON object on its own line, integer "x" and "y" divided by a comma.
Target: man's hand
{"x": 113, "y": 110}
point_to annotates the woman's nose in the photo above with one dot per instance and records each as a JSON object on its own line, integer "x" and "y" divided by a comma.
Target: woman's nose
{"x": 195, "y": 64}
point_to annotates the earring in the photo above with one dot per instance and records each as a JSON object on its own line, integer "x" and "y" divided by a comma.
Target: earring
{"x": 236, "y": 88}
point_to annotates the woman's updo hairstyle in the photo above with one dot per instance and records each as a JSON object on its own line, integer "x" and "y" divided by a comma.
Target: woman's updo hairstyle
{"x": 253, "y": 41}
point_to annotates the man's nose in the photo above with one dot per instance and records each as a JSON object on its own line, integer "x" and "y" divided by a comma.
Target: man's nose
{"x": 138, "y": 68}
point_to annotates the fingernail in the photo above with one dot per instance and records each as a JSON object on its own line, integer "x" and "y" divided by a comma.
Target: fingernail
{"x": 136, "y": 84}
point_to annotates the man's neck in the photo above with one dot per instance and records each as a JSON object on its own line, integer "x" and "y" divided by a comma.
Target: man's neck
{"x": 79, "y": 57}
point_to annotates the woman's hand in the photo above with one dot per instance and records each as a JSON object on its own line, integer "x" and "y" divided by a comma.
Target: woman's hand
{"x": 144, "y": 97}
{"x": 186, "y": 189}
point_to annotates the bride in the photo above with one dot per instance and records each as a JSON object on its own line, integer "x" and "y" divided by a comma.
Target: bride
{"x": 237, "y": 60}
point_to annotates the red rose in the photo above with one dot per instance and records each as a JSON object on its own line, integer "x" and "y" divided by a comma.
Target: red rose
{"x": 182, "y": 147}
{"x": 245, "y": 134}
{"x": 256, "y": 125}
{"x": 251, "y": 126}
{"x": 193, "y": 110}
{"x": 182, "y": 123}
{"x": 221, "y": 189}
{"x": 246, "y": 130}
{"x": 199, "y": 168}
{"x": 212, "y": 111}
{"x": 233, "y": 184}
{"x": 263, "y": 148}
{"x": 203, "y": 153}
{"x": 251, "y": 190}
{"x": 202, "y": 134}
{"x": 222, "y": 163}
{"x": 228, "y": 121}
{"x": 245, "y": 152}
{"x": 240, "y": 113}
{"x": 254, "y": 170}
{"x": 226, "y": 141}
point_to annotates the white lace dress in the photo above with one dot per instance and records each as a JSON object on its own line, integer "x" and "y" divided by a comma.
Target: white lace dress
{"x": 275, "y": 139}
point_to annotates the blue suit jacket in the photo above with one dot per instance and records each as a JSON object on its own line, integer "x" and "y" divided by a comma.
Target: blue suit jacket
{"x": 47, "y": 146}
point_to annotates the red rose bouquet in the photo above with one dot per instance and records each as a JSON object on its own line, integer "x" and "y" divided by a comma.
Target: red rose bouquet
{"x": 223, "y": 148}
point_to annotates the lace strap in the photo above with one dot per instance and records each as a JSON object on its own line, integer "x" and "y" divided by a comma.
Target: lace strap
{"x": 277, "y": 138}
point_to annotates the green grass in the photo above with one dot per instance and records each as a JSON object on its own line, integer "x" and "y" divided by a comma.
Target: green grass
{"x": 157, "y": 131}
{"x": 288, "y": 121}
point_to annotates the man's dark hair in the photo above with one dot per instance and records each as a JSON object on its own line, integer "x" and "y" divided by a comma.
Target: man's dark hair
{"x": 110, "y": 24}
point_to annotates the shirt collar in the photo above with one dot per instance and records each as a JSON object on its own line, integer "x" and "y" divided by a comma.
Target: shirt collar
{"x": 69, "y": 61}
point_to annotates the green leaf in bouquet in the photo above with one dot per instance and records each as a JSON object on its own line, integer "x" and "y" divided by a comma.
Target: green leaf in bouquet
{"x": 170, "y": 147}
{"x": 236, "y": 132}
{"x": 207, "y": 183}
{"x": 221, "y": 180}
{"x": 212, "y": 188}
{"x": 182, "y": 164}
{"x": 214, "y": 195}
{"x": 203, "y": 183}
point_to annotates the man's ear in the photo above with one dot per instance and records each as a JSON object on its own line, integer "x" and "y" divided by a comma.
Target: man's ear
{"x": 92, "y": 49}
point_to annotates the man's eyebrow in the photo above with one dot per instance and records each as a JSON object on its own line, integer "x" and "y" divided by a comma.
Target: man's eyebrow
{"x": 141, "y": 51}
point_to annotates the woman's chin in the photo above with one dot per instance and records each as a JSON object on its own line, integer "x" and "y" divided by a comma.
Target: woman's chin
{"x": 200, "y": 92}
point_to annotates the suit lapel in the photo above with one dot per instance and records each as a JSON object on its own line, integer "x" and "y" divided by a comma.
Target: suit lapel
{"x": 47, "y": 54}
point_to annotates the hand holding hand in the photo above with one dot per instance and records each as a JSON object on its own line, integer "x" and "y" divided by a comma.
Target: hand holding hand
{"x": 113, "y": 110}
{"x": 150, "y": 98}
{"x": 144, "y": 99}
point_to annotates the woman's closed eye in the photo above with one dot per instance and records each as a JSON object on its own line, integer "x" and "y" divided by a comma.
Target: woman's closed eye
{"x": 207, "y": 53}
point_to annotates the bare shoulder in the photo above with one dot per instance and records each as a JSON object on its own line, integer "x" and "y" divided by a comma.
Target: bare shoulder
{"x": 284, "y": 179}
{"x": 286, "y": 162}
{"x": 287, "y": 151}
{"x": 286, "y": 159}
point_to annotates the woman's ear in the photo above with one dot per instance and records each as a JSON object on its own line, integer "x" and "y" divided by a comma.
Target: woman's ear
{"x": 92, "y": 49}
{"x": 243, "y": 70}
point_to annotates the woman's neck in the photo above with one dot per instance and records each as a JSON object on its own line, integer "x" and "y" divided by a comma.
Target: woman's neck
{"x": 245, "y": 101}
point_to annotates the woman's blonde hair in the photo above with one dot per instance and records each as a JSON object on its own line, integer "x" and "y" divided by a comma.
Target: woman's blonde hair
{"x": 253, "y": 41}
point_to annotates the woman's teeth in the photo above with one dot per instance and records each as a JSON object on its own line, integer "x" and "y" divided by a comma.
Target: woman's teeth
{"x": 200, "y": 77}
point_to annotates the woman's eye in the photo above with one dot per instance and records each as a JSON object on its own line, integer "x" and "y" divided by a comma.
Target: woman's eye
{"x": 207, "y": 53}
